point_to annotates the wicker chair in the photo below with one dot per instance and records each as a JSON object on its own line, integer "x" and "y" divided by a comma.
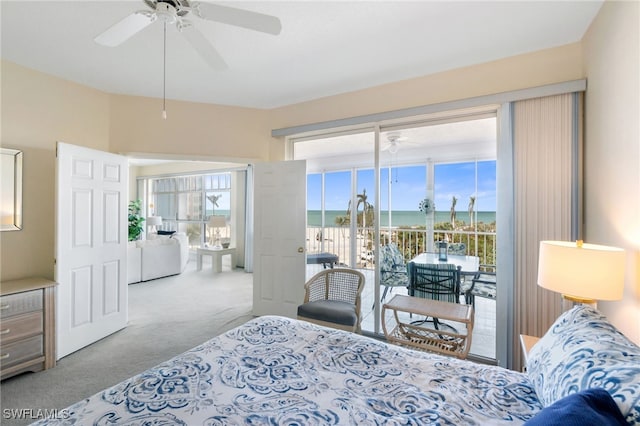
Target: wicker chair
{"x": 332, "y": 299}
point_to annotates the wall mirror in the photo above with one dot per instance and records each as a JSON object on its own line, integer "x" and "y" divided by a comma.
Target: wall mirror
{"x": 11, "y": 189}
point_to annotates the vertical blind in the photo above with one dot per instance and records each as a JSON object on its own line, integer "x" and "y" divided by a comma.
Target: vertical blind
{"x": 546, "y": 153}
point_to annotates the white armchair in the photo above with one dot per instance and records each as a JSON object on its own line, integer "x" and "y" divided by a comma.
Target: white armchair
{"x": 134, "y": 263}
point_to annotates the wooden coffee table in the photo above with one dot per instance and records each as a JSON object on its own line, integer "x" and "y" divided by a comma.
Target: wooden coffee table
{"x": 425, "y": 338}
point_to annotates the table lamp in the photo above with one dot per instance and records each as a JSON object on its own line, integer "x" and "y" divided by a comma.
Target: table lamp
{"x": 216, "y": 222}
{"x": 154, "y": 221}
{"x": 582, "y": 273}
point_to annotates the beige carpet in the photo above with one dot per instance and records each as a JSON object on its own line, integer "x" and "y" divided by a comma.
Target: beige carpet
{"x": 166, "y": 317}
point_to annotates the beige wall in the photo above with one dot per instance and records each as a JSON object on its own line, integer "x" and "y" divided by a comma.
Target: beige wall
{"x": 519, "y": 72}
{"x": 37, "y": 111}
{"x": 191, "y": 131}
{"x": 612, "y": 151}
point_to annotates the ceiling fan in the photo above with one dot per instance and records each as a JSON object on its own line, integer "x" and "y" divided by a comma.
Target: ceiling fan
{"x": 176, "y": 12}
{"x": 393, "y": 142}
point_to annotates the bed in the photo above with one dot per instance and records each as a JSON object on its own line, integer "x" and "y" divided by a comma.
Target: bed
{"x": 280, "y": 371}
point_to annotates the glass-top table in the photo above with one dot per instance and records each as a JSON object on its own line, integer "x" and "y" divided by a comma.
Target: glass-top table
{"x": 467, "y": 264}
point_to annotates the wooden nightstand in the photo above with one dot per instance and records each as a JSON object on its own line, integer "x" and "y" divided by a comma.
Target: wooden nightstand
{"x": 526, "y": 343}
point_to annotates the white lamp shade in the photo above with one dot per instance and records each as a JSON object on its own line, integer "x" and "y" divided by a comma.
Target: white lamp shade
{"x": 587, "y": 271}
{"x": 217, "y": 221}
{"x": 154, "y": 220}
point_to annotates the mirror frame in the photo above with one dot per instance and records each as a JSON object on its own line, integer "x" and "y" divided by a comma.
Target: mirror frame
{"x": 11, "y": 190}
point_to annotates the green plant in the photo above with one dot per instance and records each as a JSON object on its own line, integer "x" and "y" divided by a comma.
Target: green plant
{"x": 135, "y": 220}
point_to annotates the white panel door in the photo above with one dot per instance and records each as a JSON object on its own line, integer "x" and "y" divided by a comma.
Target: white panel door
{"x": 91, "y": 246}
{"x": 280, "y": 220}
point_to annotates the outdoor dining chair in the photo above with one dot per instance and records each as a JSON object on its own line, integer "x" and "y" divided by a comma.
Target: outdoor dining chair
{"x": 436, "y": 282}
{"x": 457, "y": 248}
{"x": 483, "y": 284}
{"x": 393, "y": 269}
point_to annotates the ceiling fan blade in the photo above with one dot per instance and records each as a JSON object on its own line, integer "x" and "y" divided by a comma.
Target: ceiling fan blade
{"x": 204, "y": 47}
{"x": 238, "y": 17}
{"x": 126, "y": 28}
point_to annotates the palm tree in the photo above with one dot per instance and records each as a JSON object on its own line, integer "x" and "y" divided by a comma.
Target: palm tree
{"x": 342, "y": 221}
{"x": 362, "y": 199}
{"x": 454, "y": 200}
{"x": 214, "y": 200}
{"x": 472, "y": 202}
{"x": 367, "y": 208}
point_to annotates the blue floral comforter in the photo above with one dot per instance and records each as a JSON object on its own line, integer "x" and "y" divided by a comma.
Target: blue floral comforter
{"x": 279, "y": 371}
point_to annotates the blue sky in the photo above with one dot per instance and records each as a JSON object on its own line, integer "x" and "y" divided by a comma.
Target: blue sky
{"x": 408, "y": 187}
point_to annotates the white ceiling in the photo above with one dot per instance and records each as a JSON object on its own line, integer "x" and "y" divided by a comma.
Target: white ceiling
{"x": 468, "y": 140}
{"x": 325, "y": 48}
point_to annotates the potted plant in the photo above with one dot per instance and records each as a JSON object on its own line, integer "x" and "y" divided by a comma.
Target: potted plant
{"x": 135, "y": 220}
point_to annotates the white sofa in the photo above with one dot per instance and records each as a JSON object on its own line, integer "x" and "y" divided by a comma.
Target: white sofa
{"x": 156, "y": 258}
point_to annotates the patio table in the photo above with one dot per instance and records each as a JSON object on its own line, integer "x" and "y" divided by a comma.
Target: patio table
{"x": 466, "y": 264}
{"x": 324, "y": 258}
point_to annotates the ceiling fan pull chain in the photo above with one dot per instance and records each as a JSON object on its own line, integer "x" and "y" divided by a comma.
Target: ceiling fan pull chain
{"x": 164, "y": 74}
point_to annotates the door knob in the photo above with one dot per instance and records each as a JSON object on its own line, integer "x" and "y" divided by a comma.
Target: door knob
{"x": 300, "y": 249}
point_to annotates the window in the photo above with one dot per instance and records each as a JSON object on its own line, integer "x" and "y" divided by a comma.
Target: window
{"x": 442, "y": 160}
{"x": 186, "y": 203}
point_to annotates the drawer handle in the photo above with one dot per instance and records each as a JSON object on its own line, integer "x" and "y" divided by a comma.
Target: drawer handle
{"x": 4, "y": 356}
{"x": 5, "y": 306}
{"x": 5, "y": 331}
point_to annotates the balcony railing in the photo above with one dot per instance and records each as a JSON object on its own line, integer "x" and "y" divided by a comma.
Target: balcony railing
{"x": 410, "y": 241}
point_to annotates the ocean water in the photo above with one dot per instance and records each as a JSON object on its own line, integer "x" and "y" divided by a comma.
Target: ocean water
{"x": 402, "y": 218}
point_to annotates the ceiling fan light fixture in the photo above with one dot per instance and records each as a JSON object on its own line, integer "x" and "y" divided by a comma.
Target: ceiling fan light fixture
{"x": 166, "y": 12}
{"x": 394, "y": 140}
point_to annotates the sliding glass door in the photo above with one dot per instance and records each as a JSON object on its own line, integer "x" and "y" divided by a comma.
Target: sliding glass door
{"x": 449, "y": 164}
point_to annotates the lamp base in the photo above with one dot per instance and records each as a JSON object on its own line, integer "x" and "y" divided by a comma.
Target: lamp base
{"x": 575, "y": 299}
{"x": 214, "y": 240}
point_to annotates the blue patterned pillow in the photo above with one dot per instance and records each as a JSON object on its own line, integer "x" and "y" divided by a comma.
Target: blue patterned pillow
{"x": 582, "y": 350}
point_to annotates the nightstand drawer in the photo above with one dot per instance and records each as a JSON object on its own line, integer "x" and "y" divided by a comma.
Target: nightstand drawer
{"x": 27, "y": 326}
{"x": 20, "y": 326}
{"x": 19, "y": 303}
{"x": 20, "y": 351}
